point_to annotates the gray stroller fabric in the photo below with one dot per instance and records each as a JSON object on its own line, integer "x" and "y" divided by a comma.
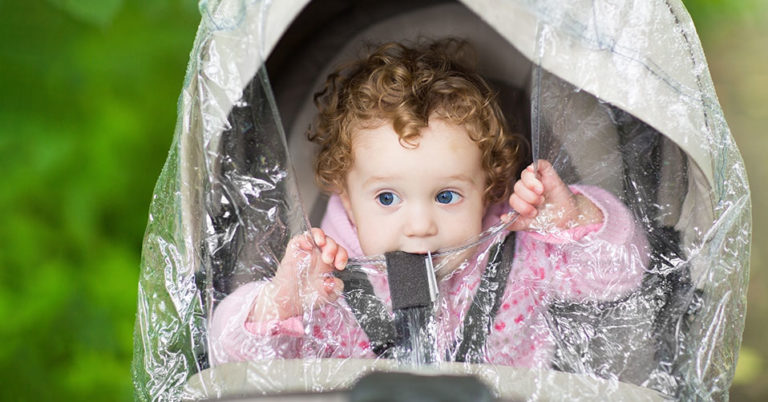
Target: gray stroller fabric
{"x": 616, "y": 96}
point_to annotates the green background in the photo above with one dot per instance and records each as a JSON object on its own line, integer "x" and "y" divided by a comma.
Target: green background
{"x": 88, "y": 92}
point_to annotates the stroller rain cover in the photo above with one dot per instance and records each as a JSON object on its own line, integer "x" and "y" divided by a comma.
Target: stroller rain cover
{"x": 618, "y": 96}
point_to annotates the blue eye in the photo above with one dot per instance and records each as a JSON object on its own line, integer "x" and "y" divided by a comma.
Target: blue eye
{"x": 448, "y": 197}
{"x": 387, "y": 198}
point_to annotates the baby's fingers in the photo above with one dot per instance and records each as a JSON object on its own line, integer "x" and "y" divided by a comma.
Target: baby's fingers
{"x": 340, "y": 261}
{"x": 328, "y": 251}
{"x": 333, "y": 254}
{"x": 543, "y": 167}
{"x": 332, "y": 288}
{"x": 299, "y": 247}
{"x": 303, "y": 241}
{"x": 528, "y": 194}
{"x": 522, "y": 207}
{"x": 549, "y": 178}
{"x": 319, "y": 236}
{"x": 531, "y": 181}
{"x": 307, "y": 241}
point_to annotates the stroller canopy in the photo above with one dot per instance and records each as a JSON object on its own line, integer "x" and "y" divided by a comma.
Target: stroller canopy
{"x": 620, "y": 98}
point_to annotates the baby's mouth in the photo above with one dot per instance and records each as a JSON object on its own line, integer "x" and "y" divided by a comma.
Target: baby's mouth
{"x": 443, "y": 250}
{"x": 421, "y": 251}
{"x": 419, "y": 248}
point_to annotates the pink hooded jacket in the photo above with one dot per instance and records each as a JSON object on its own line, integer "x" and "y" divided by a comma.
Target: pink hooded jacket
{"x": 595, "y": 262}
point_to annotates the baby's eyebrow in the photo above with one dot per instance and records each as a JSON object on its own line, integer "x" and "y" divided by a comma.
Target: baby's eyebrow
{"x": 375, "y": 179}
{"x": 461, "y": 177}
{"x": 452, "y": 178}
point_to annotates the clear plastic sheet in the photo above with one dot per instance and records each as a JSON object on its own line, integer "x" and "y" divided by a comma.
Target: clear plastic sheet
{"x": 649, "y": 305}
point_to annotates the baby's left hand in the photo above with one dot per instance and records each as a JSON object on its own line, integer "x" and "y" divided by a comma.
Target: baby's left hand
{"x": 544, "y": 201}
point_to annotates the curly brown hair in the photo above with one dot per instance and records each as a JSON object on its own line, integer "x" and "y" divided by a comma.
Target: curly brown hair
{"x": 405, "y": 86}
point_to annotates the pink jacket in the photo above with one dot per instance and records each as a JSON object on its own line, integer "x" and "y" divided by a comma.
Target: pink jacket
{"x": 596, "y": 262}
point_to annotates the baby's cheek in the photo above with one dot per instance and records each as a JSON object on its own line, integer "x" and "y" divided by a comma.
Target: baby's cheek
{"x": 468, "y": 229}
{"x": 367, "y": 246}
{"x": 375, "y": 240}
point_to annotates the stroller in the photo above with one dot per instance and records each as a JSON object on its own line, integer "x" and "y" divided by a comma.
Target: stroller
{"x": 620, "y": 97}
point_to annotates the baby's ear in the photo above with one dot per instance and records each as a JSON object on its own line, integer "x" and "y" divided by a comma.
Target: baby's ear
{"x": 344, "y": 196}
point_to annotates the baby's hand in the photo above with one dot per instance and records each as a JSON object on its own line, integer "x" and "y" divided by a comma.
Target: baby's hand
{"x": 544, "y": 202}
{"x": 305, "y": 276}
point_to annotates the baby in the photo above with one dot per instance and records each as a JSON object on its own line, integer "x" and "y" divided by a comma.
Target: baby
{"x": 417, "y": 156}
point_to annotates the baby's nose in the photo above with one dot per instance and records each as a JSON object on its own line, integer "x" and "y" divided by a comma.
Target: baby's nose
{"x": 421, "y": 223}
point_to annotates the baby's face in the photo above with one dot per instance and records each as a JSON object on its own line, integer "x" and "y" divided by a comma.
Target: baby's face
{"x": 415, "y": 199}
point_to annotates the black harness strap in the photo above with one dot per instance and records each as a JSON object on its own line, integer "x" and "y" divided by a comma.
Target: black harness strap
{"x": 485, "y": 305}
{"x": 369, "y": 310}
{"x": 377, "y": 323}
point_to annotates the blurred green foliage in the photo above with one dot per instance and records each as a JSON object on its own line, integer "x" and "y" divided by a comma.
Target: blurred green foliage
{"x": 88, "y": 93}
{"x": 97, "y": 12}
{"x": 87, "y": 112}
{"x": 708, "y": 14}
